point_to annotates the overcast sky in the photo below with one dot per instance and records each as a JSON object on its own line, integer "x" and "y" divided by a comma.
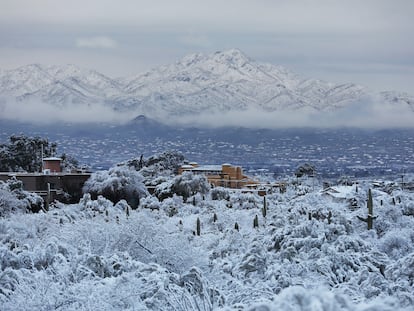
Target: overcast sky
{"x": 370, "y": 42}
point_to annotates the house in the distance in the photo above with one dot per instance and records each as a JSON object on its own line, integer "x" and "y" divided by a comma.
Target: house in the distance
{"x": 52, "y": 183}
{"x": 225, "y": 175}
{"x": 52, "y": 165}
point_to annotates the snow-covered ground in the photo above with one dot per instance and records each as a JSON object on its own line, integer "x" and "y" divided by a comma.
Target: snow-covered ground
{"x": 310, "y": 252}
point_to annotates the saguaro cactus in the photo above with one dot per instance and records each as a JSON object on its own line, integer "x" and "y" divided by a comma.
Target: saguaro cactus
{"x": 370, "y": 217}
{"x": 329, "y": 217}
{"x": 264, "y": 209}
{"x": 198, "y": 227}
{"x": 256, "y": 222}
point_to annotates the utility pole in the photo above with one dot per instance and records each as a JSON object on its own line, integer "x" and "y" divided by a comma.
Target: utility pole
{"x": 47, "y": 197}
{"x": 42, "y": 157}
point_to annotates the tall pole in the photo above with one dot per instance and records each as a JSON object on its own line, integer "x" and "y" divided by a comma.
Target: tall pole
{"x": 42, "y": 158}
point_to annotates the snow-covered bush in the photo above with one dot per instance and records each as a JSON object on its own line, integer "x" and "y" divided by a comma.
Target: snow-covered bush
{"x": 150, "y": 202}
{"x": 408, "y": 208}
{"x": 164, "y": 164}
{"x": 10, "y": 204}
{"x": 396, "y": 244}
{"x": 171, "y": 206}
{"x": 13, "y": 198}
{"x": 185, "y": 185}
{"x": 188, "y": 184}
{"x": 220, "y": 193}
{"x": 169, "y": 160}
{"x": 301, "y": 299}
{"x": 245, "y": 200}
{"x": 305, "y": 169}
{"x": 118, "y": 183}
{"x": 164, "y": 190}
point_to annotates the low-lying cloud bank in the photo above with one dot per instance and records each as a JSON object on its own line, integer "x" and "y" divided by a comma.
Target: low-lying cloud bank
{"x": 361, "y": 115}
{"x": 43, "y": 113}
{"x": 374, "y": 114}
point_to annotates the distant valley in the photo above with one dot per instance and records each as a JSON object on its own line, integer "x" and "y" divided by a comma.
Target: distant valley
{"x": 275, "y": 152}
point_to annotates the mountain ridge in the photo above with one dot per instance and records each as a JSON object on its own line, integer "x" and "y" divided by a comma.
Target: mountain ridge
{"x": 216, "y": 83}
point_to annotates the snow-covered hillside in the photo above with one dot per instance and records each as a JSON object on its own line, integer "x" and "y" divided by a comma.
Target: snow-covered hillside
{"x": 309, "y": 252}
{"x": 225, "y": 81}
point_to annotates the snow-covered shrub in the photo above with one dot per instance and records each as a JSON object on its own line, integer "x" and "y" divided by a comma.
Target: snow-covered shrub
{"x": 245, "y": 200}
{"x": 118, "y": 183}
{"x": 185, "y": 185}
{"x": 101, "y": 204}
{"x": 171, "y": 206}
{"x": 123, "y": 206}
{"x": 169, "y": 160}
{"x": 301, "y": 299}
{"x": 13, "y": 198}
{"x": 164, "y": 164}
{"x": 396, "y": 244}
{"x": 386, "y": 218}
{"x": 188, "y": 184}
{"x": 10, "y": 204}
{"x": 400, "y": 273}
{"x": 150, "y": 202}
{"x": 164, "y": 190}
{"x": 408, "y": 208}
{"x": 305, "y": 169}
{"x": 220, "y": 193}
{"x": 203, "y": 296}
{"x": 157, "y": 180}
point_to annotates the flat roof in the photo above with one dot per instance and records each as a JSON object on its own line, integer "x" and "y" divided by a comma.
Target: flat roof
{"x": 208, "y": 168}
{"x": 17, "y": 174}
{"x": 52, "y": 159}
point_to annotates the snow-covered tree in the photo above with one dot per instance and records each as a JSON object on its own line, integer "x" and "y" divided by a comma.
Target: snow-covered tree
{"x": 185, "y": 185}
{"x": 305, "y": 169}
{"x": 14, "y": 199}
{"x": 188, "y": 184}
{"x": 220, "y": 193}
{"x": 24, "y": 153}
{"x": 118, "y": 183}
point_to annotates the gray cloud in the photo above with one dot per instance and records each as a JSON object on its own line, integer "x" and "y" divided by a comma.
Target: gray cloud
{"x": 195, "y": 40}
{"x": 372, "y": 113}
{"x": 344, "y": 41}
{"x": 369, "y": 114}
{"x": 43, "y": 113}
{"x": 264, "y": 15}
{"x": 96, "y": 42}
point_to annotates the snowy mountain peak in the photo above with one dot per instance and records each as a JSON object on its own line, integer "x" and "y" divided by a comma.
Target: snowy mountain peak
{"x": 218, "y": 82}
{"x": 234, "y": 56}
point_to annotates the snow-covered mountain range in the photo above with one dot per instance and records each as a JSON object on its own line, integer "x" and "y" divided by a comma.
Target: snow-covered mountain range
{"x": 215, "y": 83}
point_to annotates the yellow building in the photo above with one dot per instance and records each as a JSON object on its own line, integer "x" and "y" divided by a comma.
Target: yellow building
{"x": 225, "y": 175}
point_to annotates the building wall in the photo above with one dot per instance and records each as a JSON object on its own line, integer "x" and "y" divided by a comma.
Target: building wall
{"x": 52, "y": 165}
{"x": 69, "y": 183}
{"x": 230, "y": 176}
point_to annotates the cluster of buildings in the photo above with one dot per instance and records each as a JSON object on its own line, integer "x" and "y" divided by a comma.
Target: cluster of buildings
{"x": 229, "y": 176}
{"x": 225, "y": 175}
{"x": 54, "y": 183}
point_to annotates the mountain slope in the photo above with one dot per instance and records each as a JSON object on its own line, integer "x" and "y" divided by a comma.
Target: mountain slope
{"x": 229, "y": 80}
{"x": 220, "y": 82}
